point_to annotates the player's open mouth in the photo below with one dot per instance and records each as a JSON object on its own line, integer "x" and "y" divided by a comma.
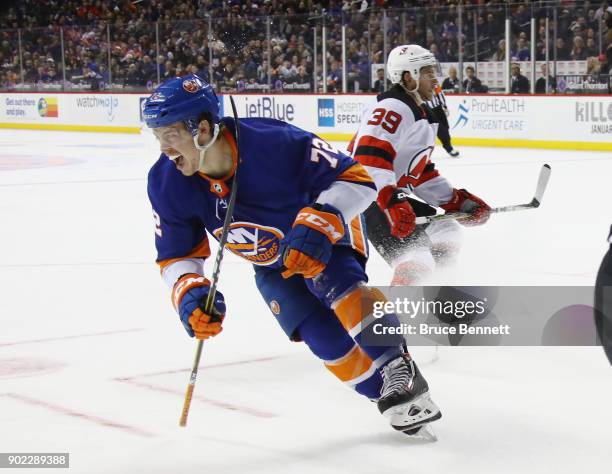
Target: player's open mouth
{"x": 178, "y": 161}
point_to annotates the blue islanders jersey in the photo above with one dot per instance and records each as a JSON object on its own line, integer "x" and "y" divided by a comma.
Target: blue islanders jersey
{"x": 282, "y": 169}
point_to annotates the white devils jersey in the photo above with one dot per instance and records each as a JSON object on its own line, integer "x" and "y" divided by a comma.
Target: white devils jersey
{"x": 395, "y": 141}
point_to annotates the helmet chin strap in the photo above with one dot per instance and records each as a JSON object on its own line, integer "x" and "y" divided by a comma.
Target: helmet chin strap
{"x": 202, "y": 148}
{"x": 413, "y": 92}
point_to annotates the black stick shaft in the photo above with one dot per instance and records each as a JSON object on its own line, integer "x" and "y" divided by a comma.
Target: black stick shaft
{"x": 208, "y": 306}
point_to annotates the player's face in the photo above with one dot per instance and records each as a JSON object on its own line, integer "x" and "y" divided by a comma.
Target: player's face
{"x": 427, "y": 82}
{"x": 177, "y": 143}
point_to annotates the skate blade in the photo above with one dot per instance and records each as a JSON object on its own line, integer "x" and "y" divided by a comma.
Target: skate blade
{"x": 424, "y": 433}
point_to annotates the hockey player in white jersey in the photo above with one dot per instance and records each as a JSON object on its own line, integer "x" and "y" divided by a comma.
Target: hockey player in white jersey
{"x": 394, "y": 142}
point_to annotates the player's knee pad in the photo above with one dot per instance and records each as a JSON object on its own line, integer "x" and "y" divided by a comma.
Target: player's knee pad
{"x": 355, "y": 307}
{"x": 446, "y": 239}
{"x": 359, "y": 310}
{"x": 413, "y": 266}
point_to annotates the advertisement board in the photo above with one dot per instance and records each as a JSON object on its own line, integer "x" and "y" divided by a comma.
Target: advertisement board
{"x": 332, "y": 117}
{"x": 561, "y": 122}
{"x": 78, "y": 112}
{"x": 582, "y": 122}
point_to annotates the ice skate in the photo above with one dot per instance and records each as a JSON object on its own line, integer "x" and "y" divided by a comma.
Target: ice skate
{"x": 405, "y": 398}
{"x": 453, "y": 153}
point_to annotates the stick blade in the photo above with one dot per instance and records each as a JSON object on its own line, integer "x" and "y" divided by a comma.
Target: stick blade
{"x": 542, "y": 184}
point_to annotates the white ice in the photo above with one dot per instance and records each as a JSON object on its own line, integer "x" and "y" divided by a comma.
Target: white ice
{"x": 93, "y": 360}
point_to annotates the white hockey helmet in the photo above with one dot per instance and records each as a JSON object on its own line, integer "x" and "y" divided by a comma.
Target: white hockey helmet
{"x": 409, "y": 58}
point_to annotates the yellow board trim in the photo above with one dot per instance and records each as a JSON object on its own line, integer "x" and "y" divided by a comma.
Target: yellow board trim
{"x": 71, "y": 128}
{"x": 336, "y": 137}
{"x": 520, "y": 143}
{"x": 501, "y": 142}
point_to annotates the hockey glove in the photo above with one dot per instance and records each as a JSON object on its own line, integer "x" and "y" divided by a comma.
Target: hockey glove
{"x": 189, "y": 298}
{"x": 463, "y": 201}
{"x": 395, "y": 205}
{"x": 307, "y": 247}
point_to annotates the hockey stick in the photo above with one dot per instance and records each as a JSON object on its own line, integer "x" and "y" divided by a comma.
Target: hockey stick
{"x": 535, "y": 202}
{"x": 208, "y": 306}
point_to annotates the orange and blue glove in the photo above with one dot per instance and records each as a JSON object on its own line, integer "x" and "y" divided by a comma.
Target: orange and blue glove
{"x": 189, "y": 298}
{"x": 464, "y": 201}
{"x": 307, "y": 247}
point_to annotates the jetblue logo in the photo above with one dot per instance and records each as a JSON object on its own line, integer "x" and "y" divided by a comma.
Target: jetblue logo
{"x": 269, "y": 107}
{"x": 326, "y": 113}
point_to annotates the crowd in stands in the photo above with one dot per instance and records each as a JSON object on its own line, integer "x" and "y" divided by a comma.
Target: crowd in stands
{"x": 45, "y": 42}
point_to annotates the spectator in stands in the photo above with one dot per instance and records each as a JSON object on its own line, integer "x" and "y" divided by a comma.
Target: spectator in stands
{"x": 500, "y": 53}
{"x": 579, "y": 52}
{"x": 133, "y": 76}
{"x": 593, "y": 66}
{"x": 451, "y": 83}
{"x": 334, "y": 78}
{"x": 541, "y": 44}
{"x": 472, "y": 84}
{"x": 606, "y": 60}
{"x": 519, "y": 83}
{"x": 440, "y": 57}
{"x": 90, "y": 77}
{"x": 104, "y": 74}
{"x": 262, "y": 72}
{"x": 492, "y": 29}
{"x": 591, "y": 48}
{"x": 522, "y": 52}
{"x": 240, "y": 33}
{"x": 562, "y": 53}
{"x": 148, "y": 71}
{"x": 170, "y": 70}
{"x": 379, "y": 84}
{"x": 287, "y": 71}
{"x": 202, "y": 67}
{"x": 540, "y": 85}
{"x": 303, "y": 78}
{"x": 521, "y": 18}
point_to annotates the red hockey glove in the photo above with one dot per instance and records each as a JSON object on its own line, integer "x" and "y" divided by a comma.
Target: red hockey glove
{"x": 463, "y": 201}
{"x": 394, "y": 203}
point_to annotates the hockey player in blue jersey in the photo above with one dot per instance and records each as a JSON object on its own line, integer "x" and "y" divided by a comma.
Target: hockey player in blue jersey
{"x": 296, "y": 220}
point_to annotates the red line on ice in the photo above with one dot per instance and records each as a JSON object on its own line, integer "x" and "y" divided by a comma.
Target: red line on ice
{"x": 76, "y": 414}
{"x": 76, "y": 336}
{"x": 211, "y": 366}
{"x": 219, "y": 404}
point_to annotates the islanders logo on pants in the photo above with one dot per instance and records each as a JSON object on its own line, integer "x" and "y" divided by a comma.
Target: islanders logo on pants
{"x": 259, "y": 244}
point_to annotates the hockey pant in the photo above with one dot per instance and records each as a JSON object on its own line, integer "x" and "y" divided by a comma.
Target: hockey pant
{"x": 326, "y": 312}
{"x": 429, "y": 245}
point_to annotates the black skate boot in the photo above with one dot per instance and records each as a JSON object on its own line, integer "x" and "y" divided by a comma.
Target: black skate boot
{"x": 405, "y": 398}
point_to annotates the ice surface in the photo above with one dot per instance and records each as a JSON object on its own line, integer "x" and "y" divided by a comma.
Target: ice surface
{"x": 94, "y": 362}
